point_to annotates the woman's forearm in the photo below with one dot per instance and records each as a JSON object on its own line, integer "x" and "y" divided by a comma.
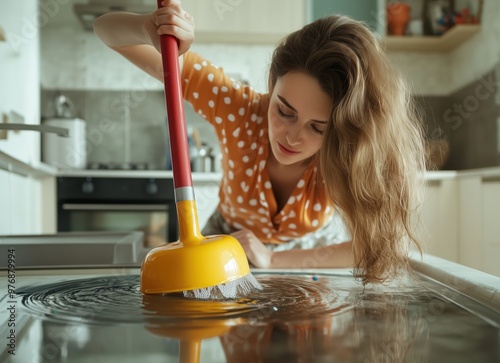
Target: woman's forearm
{"x": 131, "y": 36}
{"x": 333, "y": 256}
{"x": 124, "y": 29}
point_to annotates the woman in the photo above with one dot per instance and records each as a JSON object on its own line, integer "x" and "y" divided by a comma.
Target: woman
{"x": 335, "y": 132}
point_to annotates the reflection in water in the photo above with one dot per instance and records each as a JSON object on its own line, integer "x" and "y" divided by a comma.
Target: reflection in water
{"x": 294, "y": 319}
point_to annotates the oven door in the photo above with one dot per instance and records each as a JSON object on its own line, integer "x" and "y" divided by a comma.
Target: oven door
{"x": 117, "y": 204}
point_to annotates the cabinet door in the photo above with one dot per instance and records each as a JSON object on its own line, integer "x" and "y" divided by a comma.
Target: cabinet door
{"x": 245, "y": 21}
{"x": 19, "y": 75}
{"x": 439, "y": 219}
{"x": 491, "y": 226}
{"x": 4, "y": 203}
{"x": 471, "y": 222}
{"x": 21, "y": 205}
{"x": 364, "y": 10}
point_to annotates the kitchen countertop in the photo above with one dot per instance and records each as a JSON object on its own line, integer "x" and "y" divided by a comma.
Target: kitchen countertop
{"x": 41, "y": 170}
{"x": 476, "y": 284}
{"x": 429, "y": 175}
{"x": 155, "y": 174}
{"x": 36, "y": 170}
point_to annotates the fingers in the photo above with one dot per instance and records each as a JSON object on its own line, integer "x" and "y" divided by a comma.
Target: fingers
{"x": 170, "y": 3}
{"x": 175, "y": 21}
{"x": 172, "y": 19}
{"x": 174, "y": 9}
{"x": 241, "y": 235}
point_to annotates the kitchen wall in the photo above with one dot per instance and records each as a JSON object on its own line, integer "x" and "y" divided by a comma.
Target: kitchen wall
{"x": 127, "y": 126}
{"x": 469, "y": 119}
{"x": 466, "y": 111}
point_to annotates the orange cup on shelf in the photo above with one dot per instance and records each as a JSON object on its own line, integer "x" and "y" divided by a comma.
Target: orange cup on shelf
{"x": 398, "y": 16}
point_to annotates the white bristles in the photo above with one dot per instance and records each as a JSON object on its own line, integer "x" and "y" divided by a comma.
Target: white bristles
{"x": 230, "y": 290}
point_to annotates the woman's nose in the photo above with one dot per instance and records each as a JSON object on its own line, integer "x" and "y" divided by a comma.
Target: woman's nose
{"x": 293, "y": 136}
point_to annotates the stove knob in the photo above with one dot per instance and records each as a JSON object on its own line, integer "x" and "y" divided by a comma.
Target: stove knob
{"x": 88, "y": 187}
{"x": 151, "y": 188}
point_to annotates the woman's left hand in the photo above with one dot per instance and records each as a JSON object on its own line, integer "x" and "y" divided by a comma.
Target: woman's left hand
{"x": 257, "y": 253}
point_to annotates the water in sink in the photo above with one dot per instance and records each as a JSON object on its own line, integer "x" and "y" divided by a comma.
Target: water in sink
{"x": 296, "y": 318}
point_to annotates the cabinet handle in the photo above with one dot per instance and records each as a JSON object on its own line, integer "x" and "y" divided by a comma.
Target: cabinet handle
{"x": 116, "y": 207}
{"x": 61, "y": 131}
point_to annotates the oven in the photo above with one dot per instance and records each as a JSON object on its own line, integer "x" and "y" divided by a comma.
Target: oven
{"x": 97, "y": 204}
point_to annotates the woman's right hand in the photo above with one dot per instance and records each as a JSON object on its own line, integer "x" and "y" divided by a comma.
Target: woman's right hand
{"x": 171, "y": 19}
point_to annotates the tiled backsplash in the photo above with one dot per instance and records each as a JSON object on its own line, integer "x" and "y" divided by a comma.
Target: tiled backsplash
{"x": 126, "y": 126}
{"x": 468, "y": 120}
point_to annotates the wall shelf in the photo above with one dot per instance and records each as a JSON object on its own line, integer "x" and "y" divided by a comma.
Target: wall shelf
{"x": 450, "y": 40}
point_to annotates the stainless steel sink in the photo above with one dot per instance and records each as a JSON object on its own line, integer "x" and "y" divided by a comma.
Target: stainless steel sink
{"x": 82, "y": 316}
{"x": 74, "y": 250}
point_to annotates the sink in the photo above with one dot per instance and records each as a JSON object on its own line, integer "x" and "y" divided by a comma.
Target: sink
{"x": 300, "y": 316}
{"x": 74, "y": 249}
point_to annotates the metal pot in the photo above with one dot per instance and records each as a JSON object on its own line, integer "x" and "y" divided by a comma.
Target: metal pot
{"x": 203, "y": 161}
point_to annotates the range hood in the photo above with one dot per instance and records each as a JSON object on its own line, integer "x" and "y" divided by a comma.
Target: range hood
{"x": 88, "y": 12}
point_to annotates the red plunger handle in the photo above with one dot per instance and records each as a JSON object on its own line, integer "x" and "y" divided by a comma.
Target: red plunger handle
{"x": 179, "y": 148}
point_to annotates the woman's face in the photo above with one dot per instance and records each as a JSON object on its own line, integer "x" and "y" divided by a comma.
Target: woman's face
{"x": 299, "y": 112}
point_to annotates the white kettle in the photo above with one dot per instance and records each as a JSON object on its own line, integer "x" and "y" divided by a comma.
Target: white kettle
{"x": 65, "y": 152}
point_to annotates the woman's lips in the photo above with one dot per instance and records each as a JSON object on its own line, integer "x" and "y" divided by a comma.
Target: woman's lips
{"x": 287, "y": 151}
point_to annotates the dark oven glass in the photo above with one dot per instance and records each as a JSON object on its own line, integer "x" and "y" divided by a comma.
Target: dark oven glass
{"x": 118, "y": 204}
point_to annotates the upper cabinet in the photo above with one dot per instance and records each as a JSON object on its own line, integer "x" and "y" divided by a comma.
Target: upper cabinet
{"x": 243, "y": 21}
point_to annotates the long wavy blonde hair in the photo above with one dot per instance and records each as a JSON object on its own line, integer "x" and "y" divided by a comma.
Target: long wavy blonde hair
{"x": 372, "y": 156}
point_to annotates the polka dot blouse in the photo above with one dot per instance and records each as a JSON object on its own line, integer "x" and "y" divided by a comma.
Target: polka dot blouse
{"x": 239, "y": 116}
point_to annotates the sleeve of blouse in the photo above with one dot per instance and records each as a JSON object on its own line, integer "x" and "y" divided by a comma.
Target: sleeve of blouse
{"x": 219, "y": 99}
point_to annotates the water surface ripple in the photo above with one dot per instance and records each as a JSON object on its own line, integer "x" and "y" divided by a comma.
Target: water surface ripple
{"x": 118, "y": 299}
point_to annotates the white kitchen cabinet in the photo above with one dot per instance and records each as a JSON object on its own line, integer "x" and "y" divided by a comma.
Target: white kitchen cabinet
{"x": 439, "y": 219}
{"x": 24, "y": 207}
{"x": 4, "y": 202}
{"x": 491, "y": 225}
{"x": 461, "y": 218}
{"x": 471, "y": 222}
{"x": 479, "y": 227}
{"x": 20, "y": 209}
{"x": 243, "y": 21}
{"x": 20, "y": 76}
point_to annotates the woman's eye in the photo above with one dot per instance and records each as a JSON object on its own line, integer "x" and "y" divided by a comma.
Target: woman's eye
{"x": 317, "y": 130}
{"x": 284, "y": 114}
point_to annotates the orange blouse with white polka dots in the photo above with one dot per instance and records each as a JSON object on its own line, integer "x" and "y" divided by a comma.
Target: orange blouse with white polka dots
{"x": 239, "y": 115}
